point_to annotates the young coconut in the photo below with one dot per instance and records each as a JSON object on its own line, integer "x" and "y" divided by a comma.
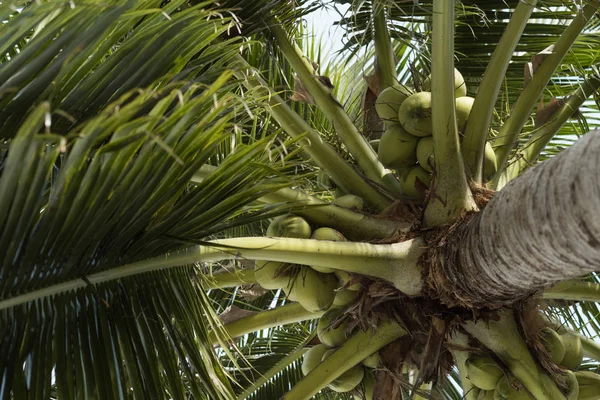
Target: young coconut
{"x": 463, "y": 110}
{"x": 554, "y": 344}
{"x": 505, "y": 391}
{"x": 290, "y": 226}
{"x": 349, "y": 379}
{"x": 327, "y": 234}
{"x": 349, "y": 201}
{"x": 313, "y": 290}
{"x": 270, "y": 274}
{"x": 414, "y": 114}
{"x": 372, "y": 361}
{"x": 344, "y": 278}
{"x": 573, "y": 351}
{"x": 313, "y": 357}
{"x": 483, "y": 371}
{"x": 589, "y": 385}
{"x": 397, "y": 147}
{"x": 485, "y": 395}
{"x": 425, "y": 153}
{"x": 489, "y": 162}
{"x": 460, "y": 88}
{"x": 408, "y": 181}
{"x": 389, "y": 101}
{"x": 328, "y": 335}
{"x": 344, "y": 297}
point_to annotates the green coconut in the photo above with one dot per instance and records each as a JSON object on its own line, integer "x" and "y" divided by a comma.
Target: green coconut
{"x": 372, "y": 361}
{"x": 463, "y": 110}
{"x": 483, "y": 371}
{"x": 554, "y": 345}
{"x": 328, "y": 335}
{"x": 415, "y": 114}
{"x": 389, "y": 101}
{"x": 313, "y": 357}
{"x": 505, "y": 391}
{"x": 460, "y": 88}
{"x": 269, "y": 274}
{"x": 344, "y": 278}
{"x": 485, "y": 395}
{"x": 589, "y": 385}
{"x": 290, "y": 226}
{"x": 313, "y": 290}
{"x": 489, "y": 162}
{"x": 573, "y": 351}
{"x": 327, "y": 234}
{"x": 408, "y": 181}
{"x": 349, "y": 201}
{"x": 348, "y": 380}
{"x": 397, "y": 148}
{"x": 344, "y": 297}
{"x": 425, "y": 153}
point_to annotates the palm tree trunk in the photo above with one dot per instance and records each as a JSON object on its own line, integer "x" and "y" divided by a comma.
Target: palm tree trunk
{"x": 542, "y": 228}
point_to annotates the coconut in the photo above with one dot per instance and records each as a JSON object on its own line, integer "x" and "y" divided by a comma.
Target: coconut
{"x": 463, "y": 110}
{"x": 554, "y": 344}
{"x": 313, "y": 357}
{"x": 397, "y": 147}
{"x": 415, "y": 114}
{"x": 573, "y": 351}
{"x": 589, "y": 385}
{"x": 327, "y": 234}
{"x": 313, "y": 290}
{"x": 344, "y": 278}
{"x": 505, "y": 391}
{"x": 348, "y": 380}
{"x": 290, "y": 226}
{"x": 389, "y": 101}
{"x": 460, "y": 88}
{"x": 349, "y": 201}
{"x": 408, "y": 181}
{"x": 489, "y": 162}
{"x": 483, "y": 371}
{"x": 425, "y": 153}
{"x": 344, "y": 297}
{"x": 328, "y": 335}
{"x": 269, "y": 274}
{"x": 372, "y": 361}
{"x": 485, "y": 395}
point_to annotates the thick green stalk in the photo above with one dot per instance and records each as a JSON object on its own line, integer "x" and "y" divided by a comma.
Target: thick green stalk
{"x": 383, "y": 48}
{"x": 352, "y": 352}
{"x": 356, "y": 143}
{"x": 396, "y": 263}
{"x": 542, "y": 136}
{"x": 225, "y": 279}
{"x": 509, "y": 133}
{"x": 460, "y": 341}
{"x": 312, "y": 143}
{"x": 287, "y": 314}
{"x": 355, "y": 226}
{"x": 574, "y": 290}
{"x": 503, "y": 338}
{"x": 478, "y": 124}
{"x": 451, "y": 193}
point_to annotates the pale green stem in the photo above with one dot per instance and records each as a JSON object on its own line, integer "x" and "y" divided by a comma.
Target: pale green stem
{"x": 451, "y": 193}
{"x": 355, "y": 226}
{"x": 356, "y": 143}
{"x": 287, "y": 314}
{"x": 461, "y": 341}
{"x": 277, "y": 368}
{"x": 352, "y": 352}
{"x": 396, "y": 263}
{"x": 591, "y": 349}
{"x": 478, "y": 124}
{"x": 312, "y": 143}
{"x": 225, "y": 279}
{"x": 521, "y": 111}
{"x": 542, "y": 136}
{"x": 574, "y": 290}
{"x": 383, "y": 48}
{"x": 503, "y": 338}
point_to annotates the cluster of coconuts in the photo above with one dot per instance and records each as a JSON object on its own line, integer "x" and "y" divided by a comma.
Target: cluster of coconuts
{"x": 564, "y": 349}
{"x": 407, "y": 143}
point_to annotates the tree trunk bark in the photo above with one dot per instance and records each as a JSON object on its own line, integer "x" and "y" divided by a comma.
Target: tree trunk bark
{"x": 542, "y": 228}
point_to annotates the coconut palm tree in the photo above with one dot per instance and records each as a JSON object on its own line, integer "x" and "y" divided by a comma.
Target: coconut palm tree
{"x": 191, "y": 205}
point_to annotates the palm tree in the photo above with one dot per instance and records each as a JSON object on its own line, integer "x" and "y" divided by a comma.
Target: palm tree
{"x": 148, "y": 143}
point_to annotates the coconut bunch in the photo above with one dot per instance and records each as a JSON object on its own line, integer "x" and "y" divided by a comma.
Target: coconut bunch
{"x": 407, "y": 143}
{"x": 565, "y": 350}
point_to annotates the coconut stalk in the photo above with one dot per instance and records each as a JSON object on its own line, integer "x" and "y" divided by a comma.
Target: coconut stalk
{"x": 521, "y": 111}
{"x": 396, "y": 263}
{"x": 451, "y": 195}
{"x": 225, "y": 279}
{"x": 355, "y": 226}
{"x": 503, "y": 338}
{"x": 287, "y": 314}
{"x": 356, "y": 143}
{"x": 384, "y": 52}
{"x": 351, "y": 353}
{"x": 478, "y": 124}
{"x": 574, "y": 290}
{"x": 459, "y": 341}
{"x": 312, "y": 143}
{"x": 530, "y": 152}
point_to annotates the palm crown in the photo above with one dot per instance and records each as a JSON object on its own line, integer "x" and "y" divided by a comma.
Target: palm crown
{"x": 167, "y": 176}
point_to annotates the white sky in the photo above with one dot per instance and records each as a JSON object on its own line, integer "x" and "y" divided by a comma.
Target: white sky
{"x": 321, "y": 23}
